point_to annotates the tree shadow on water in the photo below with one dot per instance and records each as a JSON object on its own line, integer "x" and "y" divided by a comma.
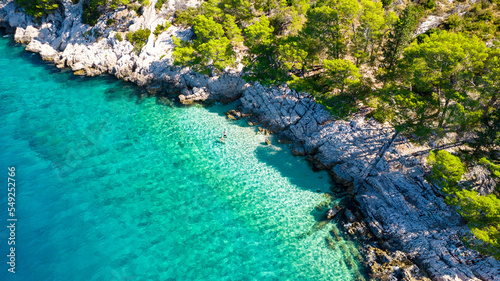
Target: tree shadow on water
{"x": 294, "y": 168}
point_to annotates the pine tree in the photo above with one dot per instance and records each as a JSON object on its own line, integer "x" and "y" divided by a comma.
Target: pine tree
{"x": 400, "y": 36}
{"x": 327, "y": 27}
{"x": 341, "y": 73}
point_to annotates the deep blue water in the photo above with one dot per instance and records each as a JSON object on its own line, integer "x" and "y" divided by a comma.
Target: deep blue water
{"x": 112, "y": 185}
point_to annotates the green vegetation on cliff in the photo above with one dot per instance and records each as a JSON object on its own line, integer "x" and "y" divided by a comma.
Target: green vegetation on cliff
{"x": 138, "y": 39}
{"x": 91, "y": 13}
{"x": 38, "y": 8}
{"x": 347, "y": 52}
{"x": 213, "y": 47}
{"x": 481, "y": 212}
{"x": 447, "y": 170}
{"x": 483, "y": 216}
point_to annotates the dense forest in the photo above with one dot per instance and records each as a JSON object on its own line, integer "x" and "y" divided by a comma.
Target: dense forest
{"x": 442, "y": 84}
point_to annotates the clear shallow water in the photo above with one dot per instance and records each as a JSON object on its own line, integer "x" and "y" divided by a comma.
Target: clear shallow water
{"x": 113, "y": 187}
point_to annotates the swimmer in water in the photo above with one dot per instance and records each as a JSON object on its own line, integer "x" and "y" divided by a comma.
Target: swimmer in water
{"x": 225, "y": 134}
{"x": 221, "y": 139}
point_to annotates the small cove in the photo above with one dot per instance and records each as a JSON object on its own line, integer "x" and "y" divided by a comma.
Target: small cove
{"x": 115, "y": 186}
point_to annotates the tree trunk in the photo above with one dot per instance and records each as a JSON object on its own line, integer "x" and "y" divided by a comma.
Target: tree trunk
{"x": 443, "y": 116}
{"x": 490, "y": 103}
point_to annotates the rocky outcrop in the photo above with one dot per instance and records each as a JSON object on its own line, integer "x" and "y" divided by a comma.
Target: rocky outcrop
{"x": 479, "y": 178}
{"x": 375, "y": 164}
{"x": 91, "y": 51}
{"x": 385, "y": 178}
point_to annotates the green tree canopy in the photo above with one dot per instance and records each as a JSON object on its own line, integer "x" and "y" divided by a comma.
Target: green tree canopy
{"x": 442, "y": 64}
{"x": 341, "y": 73}
{"x": 373, "y": 23}
{"x": 38, "y": 8}
{"x": 210, "y": 48}
{"x": 400, "y": 36}
{"x": 328, "y": 24}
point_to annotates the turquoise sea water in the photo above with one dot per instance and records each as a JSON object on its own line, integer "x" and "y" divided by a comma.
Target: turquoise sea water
{"x": 115, "y": 186}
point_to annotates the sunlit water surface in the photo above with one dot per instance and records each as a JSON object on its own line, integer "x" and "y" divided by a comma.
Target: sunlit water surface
{"x": 115, "y": 187}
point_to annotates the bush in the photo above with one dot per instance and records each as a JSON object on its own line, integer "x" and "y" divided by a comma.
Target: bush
{"x": 453, "y": 22}
{"x": 114, "y": 3}
{"x": 186, "y": 17}
{"x": 160, "y": 28}
{"x": 382, "y": 114}
{"x": 136, "y": 8}
{"x": 90, "y": 13}
{"x": 38, "y": 8}
{"x": 481, "y": 212}
{"x": 483, "y": 216}
{"x": 138, "y": 39}
{"x": 119, "y": 37}
{"x": 110, "y": 22}
{"x": 386, "y": 3}
{"x": 429, "y": 4}
{"x": 159, "y": 4}
{"x": 494, "y": 169}
{"x": 484, "y": 15}
{"x": 447, "y": 170}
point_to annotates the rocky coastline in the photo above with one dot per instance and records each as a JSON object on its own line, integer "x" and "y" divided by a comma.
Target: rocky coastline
{"x": 380, "y": 170}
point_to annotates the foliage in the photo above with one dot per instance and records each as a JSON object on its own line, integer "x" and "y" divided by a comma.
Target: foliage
{"x": 233, "y": 32}
{"x": 186, "y": 17}
{"x": 386, "y": 3}
{"x": 138, "y": 39}
{"x": 118, "y": 36}
{"x": 483, "y": 215}
{"x": 240, "y": 9}
{"x": 429, "y": 4}
{"x": 136, "y": 8}
{"x": 38, "y": 8}
{"x": 341, "y": 73}
{"x": 494, "y": 169}
{"x": 262, "y": 63}
{"x": 91, "y": 13}
{"x": 447, "y": 170}
{"x": 115, "y": 3}
{"x": 159, "y": 4}
{"x": 327, "y": 26}
{"x": 315, "y": 85}
{"x": 482, "y": 20}
{"x": 160, "y": 28}
{"x": 210, "y": 9}
{"x": 184, "y": 53}
{"x": 211, "y": 50}
{"x": 373, "y": 23}
{"x": 400, "y": 36}
{"x": 291, "y": 55}
{"x": 481, "y": 212}
{"x": 439, "y": 85}
{"x": 487, "y": 84}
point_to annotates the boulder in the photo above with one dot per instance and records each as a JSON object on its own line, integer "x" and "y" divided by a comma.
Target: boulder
{"x": 331, "y": 213}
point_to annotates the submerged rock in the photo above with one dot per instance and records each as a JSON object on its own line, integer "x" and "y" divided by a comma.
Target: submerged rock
{"x": 331, "y": 213}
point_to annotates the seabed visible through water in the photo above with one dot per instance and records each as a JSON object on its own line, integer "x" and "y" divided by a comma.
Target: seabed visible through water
{"x": 115, "y": 186}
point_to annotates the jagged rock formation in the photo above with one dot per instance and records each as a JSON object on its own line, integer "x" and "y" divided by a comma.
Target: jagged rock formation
{"x": 370, "y": 159}
{"x": 63, "y": 39}
{"x": 387, "y": 181}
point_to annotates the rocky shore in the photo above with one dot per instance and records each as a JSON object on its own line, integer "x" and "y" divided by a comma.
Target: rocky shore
{"x": 379, "y": 168}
